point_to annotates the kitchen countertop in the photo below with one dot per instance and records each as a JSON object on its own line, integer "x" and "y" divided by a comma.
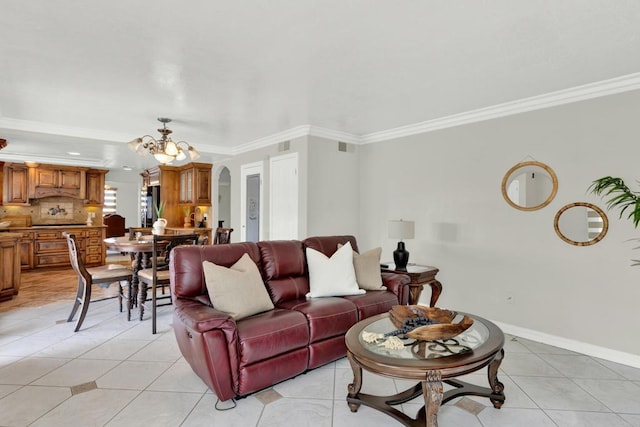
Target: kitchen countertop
{"x": 54, "y": 227}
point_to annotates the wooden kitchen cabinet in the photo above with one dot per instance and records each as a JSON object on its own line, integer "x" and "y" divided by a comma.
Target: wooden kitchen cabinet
{"x": 163, "y": 182}
{"x": 1, "y": 183}
{"x": 47, "y": 247}
{"x": 195, "y": 184}
{"x": 50, "y": 248}
{"x": 178, "y": 186}
{"x": 9, "y": 265}
{"x": 186, "y": 186}
{"x": 15, "y": 184}
{"x": 95, "y": 253}
{"x": 95, "y": 187}
{"x": 50, "y": 180}
{"x": 25, "y": 250}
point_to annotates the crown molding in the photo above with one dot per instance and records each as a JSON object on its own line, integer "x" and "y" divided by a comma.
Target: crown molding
{"x": 566, "y": 96}
{"x": 334, "y": 135}
{"x": 296, "y": 132}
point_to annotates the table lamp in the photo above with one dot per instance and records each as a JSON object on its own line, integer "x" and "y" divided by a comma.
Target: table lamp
{"x": 401, "y": 230}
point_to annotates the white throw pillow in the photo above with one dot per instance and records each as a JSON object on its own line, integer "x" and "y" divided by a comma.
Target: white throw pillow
{"x": 237, "y": 290}
{"x": 333, "y": 276}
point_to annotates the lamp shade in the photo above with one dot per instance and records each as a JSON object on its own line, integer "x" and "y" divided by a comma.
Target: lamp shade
{"x": 401, "y": 229}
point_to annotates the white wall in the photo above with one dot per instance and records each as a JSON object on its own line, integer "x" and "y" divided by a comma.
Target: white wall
{"x": 128, "y": 184}
{"x": 299, "y": 145}
{"x": 333, "y": 188}
{"x": 448, "y": 182}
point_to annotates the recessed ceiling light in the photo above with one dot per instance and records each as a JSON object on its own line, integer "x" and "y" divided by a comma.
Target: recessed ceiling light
{"x": 73, "y": 153}
{"x": 127, "y": 168}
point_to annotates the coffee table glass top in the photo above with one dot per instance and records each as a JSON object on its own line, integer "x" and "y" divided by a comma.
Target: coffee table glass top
{"x": 463, "y": 343}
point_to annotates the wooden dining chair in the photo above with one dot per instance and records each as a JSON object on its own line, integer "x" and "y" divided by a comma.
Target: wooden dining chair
{"x": 102, "y": 276}
{"x": 222, "y": 236}
{"x": 158, "y": 275}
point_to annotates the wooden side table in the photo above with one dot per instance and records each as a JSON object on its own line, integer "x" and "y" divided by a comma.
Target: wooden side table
{"x": 420, "y": 275}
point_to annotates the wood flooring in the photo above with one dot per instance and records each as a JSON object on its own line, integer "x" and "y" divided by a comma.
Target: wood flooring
{"x": 42, "y": 286}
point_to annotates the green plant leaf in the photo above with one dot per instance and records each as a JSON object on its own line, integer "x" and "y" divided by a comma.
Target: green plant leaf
{"x": 619, "y": 197}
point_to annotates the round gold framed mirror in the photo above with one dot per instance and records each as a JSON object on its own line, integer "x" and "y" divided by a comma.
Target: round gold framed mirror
{"x": 581, "y": 224}
{"x": 529, "y": 186}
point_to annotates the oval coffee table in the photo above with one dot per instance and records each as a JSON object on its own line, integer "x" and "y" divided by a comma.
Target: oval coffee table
{"x": 430, "y": 363}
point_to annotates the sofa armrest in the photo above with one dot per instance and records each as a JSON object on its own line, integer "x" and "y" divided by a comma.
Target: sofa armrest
{"x": 208, "y": 340}
{"x": 200, "y": 317}
{"x": 398, "y": 284}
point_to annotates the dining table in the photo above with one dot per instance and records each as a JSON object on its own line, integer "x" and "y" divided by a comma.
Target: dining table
{"x": 140, "y": 249}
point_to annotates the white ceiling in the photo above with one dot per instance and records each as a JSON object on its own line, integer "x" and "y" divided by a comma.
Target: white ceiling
{"x": 88, "y": 76}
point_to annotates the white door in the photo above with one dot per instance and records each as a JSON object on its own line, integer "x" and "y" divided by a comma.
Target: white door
{"x": 283, "y": 197}
{"x": 251, "y": 202}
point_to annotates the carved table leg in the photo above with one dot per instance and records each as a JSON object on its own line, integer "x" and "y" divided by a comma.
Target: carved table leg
{"x": 436, "y": 290}
{"x": 414, "y": 293}
{"x": 496, "y": 386}
{"x": 354, "y": 388}
{"x": 433, "y": 391}
{"x": 145, "y": 263}
{"x": 133, "y": 295}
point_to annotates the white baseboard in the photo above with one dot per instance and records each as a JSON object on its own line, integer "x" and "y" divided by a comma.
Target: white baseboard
{"x": 616, "y": 356}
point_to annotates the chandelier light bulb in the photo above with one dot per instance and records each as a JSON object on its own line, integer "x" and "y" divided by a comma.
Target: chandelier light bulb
{"x": 164, "y": 150}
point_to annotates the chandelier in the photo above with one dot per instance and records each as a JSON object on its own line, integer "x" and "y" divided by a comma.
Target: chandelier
{"x": 165, "y": 150}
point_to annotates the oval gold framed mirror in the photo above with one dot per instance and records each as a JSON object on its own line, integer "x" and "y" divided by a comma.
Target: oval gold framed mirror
{"x": 581, "y": 224}
{"x": 529, "y": 186}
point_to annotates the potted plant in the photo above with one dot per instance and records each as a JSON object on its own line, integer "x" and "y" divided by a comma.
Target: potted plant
{"x": 160, "y": 209}
{"x": 187, "y": 216}
{"x": 619, "y": 196}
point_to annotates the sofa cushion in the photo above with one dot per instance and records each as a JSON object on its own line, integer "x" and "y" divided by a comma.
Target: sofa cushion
{"x": 332, "y": 276}
{"x": 237, "y": 290}
{"x": 284, "y": 269}
{"x": 327, "y": 317}
{"x": 185, "y": 264}
{"x": 367, "y": 267}
{"x": 372, "y": 303}
{"x": 328, "y": 244}
{"x": 270, "y": 334}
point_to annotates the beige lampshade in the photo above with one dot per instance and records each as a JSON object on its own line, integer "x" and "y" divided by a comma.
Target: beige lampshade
{"x": 401, "y": 229}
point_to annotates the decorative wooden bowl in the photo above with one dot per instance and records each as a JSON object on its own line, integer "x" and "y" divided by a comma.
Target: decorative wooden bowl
{"x": 441, "y": 329}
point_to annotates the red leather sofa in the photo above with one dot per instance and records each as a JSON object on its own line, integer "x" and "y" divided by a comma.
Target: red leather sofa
{"x": 238, "y": 358}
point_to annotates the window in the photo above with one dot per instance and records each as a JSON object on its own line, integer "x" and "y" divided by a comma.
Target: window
{"x": 110, "y": 200}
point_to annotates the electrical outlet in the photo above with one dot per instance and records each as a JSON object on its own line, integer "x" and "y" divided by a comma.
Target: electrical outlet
{"x": 511, "y": 299}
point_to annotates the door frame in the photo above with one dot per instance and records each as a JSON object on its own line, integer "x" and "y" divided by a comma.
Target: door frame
{"x": 246, "y": 170}
{"x": 272, "y": 160}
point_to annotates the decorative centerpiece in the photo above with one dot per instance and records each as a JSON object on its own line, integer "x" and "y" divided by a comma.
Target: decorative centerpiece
{"x": 427, "y": 323}
{"x": 160, "y": 224}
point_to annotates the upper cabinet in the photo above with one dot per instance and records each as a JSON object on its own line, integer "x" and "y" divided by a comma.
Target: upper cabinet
{"x": 186, "y": 186}
{"x": 49, "y": 180}
{"x": 95, "y": 187}
{"x": 175, "y": 186}
{"x": 195, "y": 184}
{"x": 21, "y": 182}
{"x": 15, "y": 184}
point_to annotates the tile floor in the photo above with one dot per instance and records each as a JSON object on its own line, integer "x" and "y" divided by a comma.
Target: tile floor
{"x": 116, "y": 373}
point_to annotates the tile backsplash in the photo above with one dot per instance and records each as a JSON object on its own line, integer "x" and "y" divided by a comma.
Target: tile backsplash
{"x": 54, "y": 210}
